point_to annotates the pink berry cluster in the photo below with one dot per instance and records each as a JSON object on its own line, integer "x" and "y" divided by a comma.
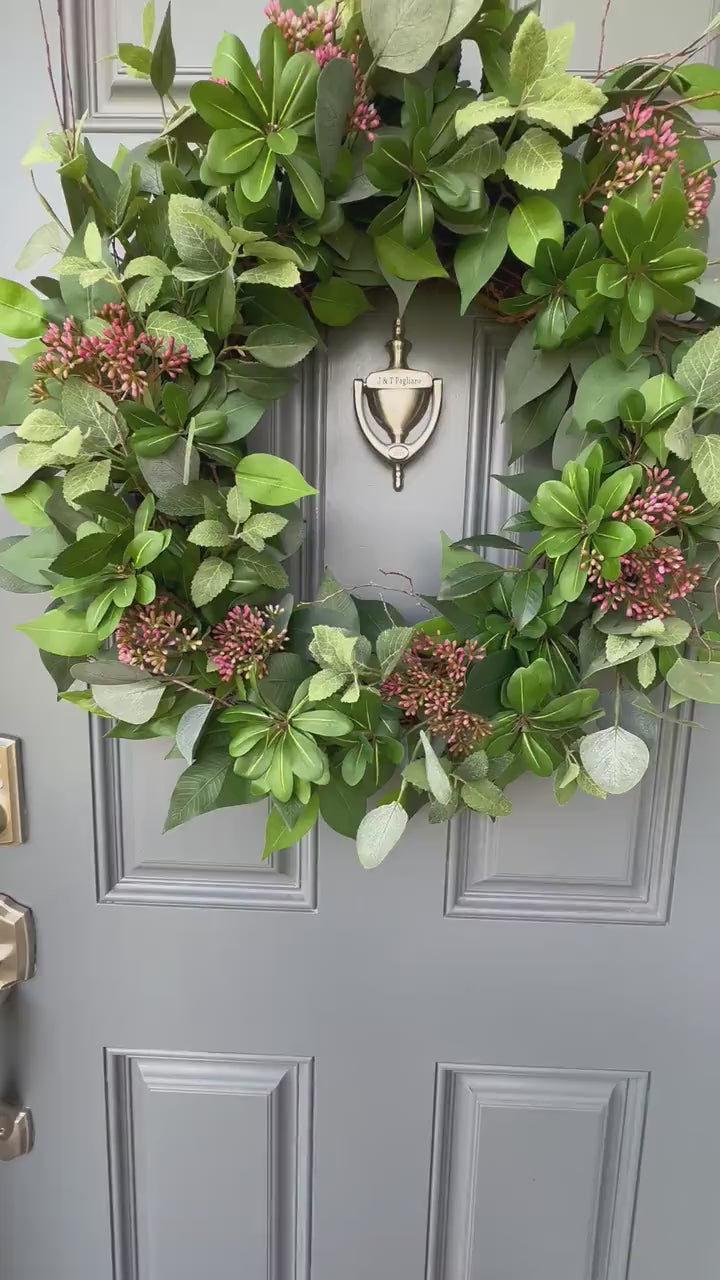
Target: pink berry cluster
{"x": 242, "y": 643}
{"x": 651, "y": 578}
{"x": 122, "y": 361}
{"x": 316, "y": 30}
{"x": 643, "y": 139}
{"x": 148, "y": 634}
{"x": 428, "y": 686}
{"x": 659, "y": 503}
{"x": 649, "y": 582}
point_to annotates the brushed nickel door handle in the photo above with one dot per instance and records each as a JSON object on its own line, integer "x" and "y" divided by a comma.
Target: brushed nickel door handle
{"x": 16, "y": 1132}
{"x": 17, "y": 944}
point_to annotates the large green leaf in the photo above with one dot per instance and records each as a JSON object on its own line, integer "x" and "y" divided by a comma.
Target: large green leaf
{"x": 396, "y": 258}
{"x": 22, "y": 313}
{"x": 132, "y": 703}
{"x": 212, "y": 577}
{"x": 162, "y": 66}
{"x": 602, "y": 387}
{"x": 198, "y": 789}
{"x": 307, "y": 185}
{"x": 528, "y": 56}
{"x": 563, "y": 102}
{"x": 279, "y": 345}
{"x": 335, "y": 97}
{"x": 63, "y": 632}
{"x": 404, "y": 34}
{"x": 165, "y": 324}
{"x": 202, "y": 244}
{"x": 699, "y": 370}
{"x": 532, "y": 220}
{"x": 615, "y": 759}
{"x": 338, "y": 302}
{"x": 706, "y": 465}
{"x": 478, "y": 257}
{"x": 379, "y": 832}
{"x": 697, "y": 680}
{"x": 271, "y": 481}
{"x": 535, "y": 160}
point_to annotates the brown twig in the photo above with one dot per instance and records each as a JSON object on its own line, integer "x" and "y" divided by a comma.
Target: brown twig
{"x": 66, "y": 79}
{"x": 603, "y": 31}
{"x": 51, "y": 74}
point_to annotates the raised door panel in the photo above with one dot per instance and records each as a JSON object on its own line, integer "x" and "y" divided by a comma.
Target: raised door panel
{"x": 210, "y": 1165}
{"x": 534, "y": 1173}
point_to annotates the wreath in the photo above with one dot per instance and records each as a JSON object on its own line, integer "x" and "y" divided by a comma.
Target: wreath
{"x": 193, "y": 274}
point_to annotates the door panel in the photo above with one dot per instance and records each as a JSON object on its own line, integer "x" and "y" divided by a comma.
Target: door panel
{"x": 438, "y": 1070}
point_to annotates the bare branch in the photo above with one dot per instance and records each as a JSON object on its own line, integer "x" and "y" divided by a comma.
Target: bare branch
{"x": 51, "y": 74}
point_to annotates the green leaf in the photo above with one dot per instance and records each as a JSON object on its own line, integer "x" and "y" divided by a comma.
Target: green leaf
{"x": 706, "y": 465}
{"x": 563, "y": 102}
{"x": 484, "y": 681}
{"x": 86, "y": 477}
{"x": 209, "y": 533}
{"x": 390, "y": 647}
{"x": 397, "y": 259}
{"x": 335, "y": 98}
{"x": 379, "y": 832}
{"x": 323, "y": 684}
{"x": 131, "y": 703}
{"x": 271, "y": 481}
{"x": 602, "y": 387}
{"x": 469, "y": 578}
{"x": 148, "y": 21}
{"x": 29, "y": 558}
{"x": 42, "y": 426}
{"x": 534, "y": 423}
{"x": 484, "y": 797}
{"x": 680, "y": 436}
{"x": 279, "y": 345}
{"x": 698, "y": 373}
{"x": 145, "y": 547}
{"x": 478, "y": 257}
{"x": 342, "y": 806}
{"x": 211, "y": 577}
{"x": 22, "y": 313}
{"x": 307, "y": 185}
{"x": 486, "y": 111}
{"x": 201, "y": 243}
{"x": 197, "y": 790}
{"x": 233, "y": 151}
{"x": 437, "y": 779}
{"x": 164, "y": 324}
{"x": 277, "y": 835}
{"x": 336, "y": 301}
{"x": 534, "y": 219}
{"x": 88, "y": 408}
{"x": 535, "y": 160}
{"x": 529, "y": 686}
{"x": 192, "y": 723}
{"x": 527, "y": 596}
{"x": 27, "y": 504}
{"x": 325, "y": 723}
{"x": 162, "y": 67}
{"x": 284, "y": 275}
{"x": 615, "y": 759}
{"x": 418, "y": 218}
{"x": 697, "y": 680}
{"x": 623, "y": 228}
{"x": 167, "y": 473}
{"x": 405, "y": 34}
{"x": 528, "y": 56}
{"x": 62, "y": 632}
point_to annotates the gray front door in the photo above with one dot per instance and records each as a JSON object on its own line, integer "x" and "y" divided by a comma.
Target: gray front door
{"x": 494, "y": 1059}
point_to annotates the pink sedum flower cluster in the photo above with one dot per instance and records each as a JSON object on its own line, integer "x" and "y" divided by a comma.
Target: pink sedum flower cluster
{"x": 242, "y": 643}
{"x": 122, "y": 361}
{"x": 316, "y": 29}
{"x": 643, "y": 139}
{"x": 428, "y": 685}
{"x": 651, "y": 578}
{"x": 148, "y": 634}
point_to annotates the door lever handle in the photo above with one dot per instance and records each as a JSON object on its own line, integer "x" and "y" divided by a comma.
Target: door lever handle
{"x": 16, "y": 1132}
{"x": 17, "y": 945}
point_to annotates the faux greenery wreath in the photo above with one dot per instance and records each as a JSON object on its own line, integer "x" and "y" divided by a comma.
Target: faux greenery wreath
{"x": 191, "y": 275}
